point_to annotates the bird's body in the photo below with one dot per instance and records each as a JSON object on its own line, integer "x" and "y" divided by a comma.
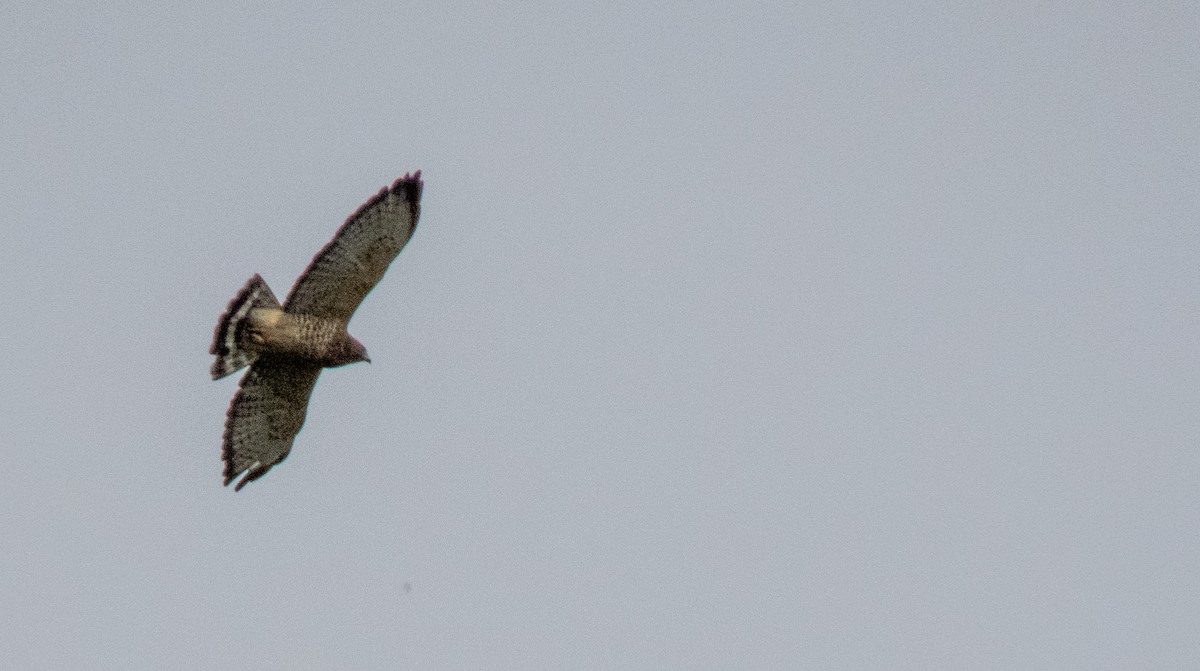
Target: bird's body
{"x": 287, "y": 345}
{"x": 322, "y": 341}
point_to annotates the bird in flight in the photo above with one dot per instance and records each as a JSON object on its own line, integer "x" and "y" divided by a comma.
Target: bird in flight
{"x": 287, "y": 345}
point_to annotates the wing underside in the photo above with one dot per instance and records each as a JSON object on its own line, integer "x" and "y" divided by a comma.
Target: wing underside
{"x": 352, "y": 263}
{"x": 265, "y": 416}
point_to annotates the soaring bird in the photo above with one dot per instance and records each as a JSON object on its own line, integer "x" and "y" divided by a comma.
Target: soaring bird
{"x": 287, "y": 345}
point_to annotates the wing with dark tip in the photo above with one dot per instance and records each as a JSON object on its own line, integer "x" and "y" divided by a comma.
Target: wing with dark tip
{"x": 342, "y": 273}
{"x": 265, "y": 416}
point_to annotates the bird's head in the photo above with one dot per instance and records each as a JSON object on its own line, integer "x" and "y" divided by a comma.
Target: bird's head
{"x": 349, "y": 350}
{"x": 359, "y": 352}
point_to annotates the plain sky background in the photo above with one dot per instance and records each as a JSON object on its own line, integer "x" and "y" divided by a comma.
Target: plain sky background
{"x": 733, "y": 336}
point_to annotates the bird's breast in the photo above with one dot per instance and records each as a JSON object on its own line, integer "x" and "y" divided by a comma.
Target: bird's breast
{"x": 302, "y": 336}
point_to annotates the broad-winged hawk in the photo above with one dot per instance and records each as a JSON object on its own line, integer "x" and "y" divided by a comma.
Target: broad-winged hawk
{"x": 287, "y": 345}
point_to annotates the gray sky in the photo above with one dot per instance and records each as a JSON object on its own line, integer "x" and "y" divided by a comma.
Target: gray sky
{"x": 732, "y": 337}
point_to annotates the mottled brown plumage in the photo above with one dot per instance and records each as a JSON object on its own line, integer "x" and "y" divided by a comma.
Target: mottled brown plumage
{"x": 287, "y": 345}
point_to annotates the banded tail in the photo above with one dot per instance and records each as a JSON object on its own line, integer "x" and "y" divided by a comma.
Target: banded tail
{"x": 231, "y": 343}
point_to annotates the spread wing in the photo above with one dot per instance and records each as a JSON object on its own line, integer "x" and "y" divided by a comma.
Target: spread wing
{"x": 342, "y": 273}
{"x": 265, "y": 415}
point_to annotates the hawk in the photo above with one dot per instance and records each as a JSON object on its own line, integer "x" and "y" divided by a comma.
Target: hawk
{"x": 287, "y": 345}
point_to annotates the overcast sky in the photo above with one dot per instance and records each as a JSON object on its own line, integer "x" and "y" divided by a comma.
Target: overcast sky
{"x": 858, "y": 336}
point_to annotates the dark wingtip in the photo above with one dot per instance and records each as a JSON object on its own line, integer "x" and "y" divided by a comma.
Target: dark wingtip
{"x": 230, "y": 477}
{"x": 409, "y": 186}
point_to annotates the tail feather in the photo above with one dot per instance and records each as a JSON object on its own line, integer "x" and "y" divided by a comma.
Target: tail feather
{"x": 230, "y": 345}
